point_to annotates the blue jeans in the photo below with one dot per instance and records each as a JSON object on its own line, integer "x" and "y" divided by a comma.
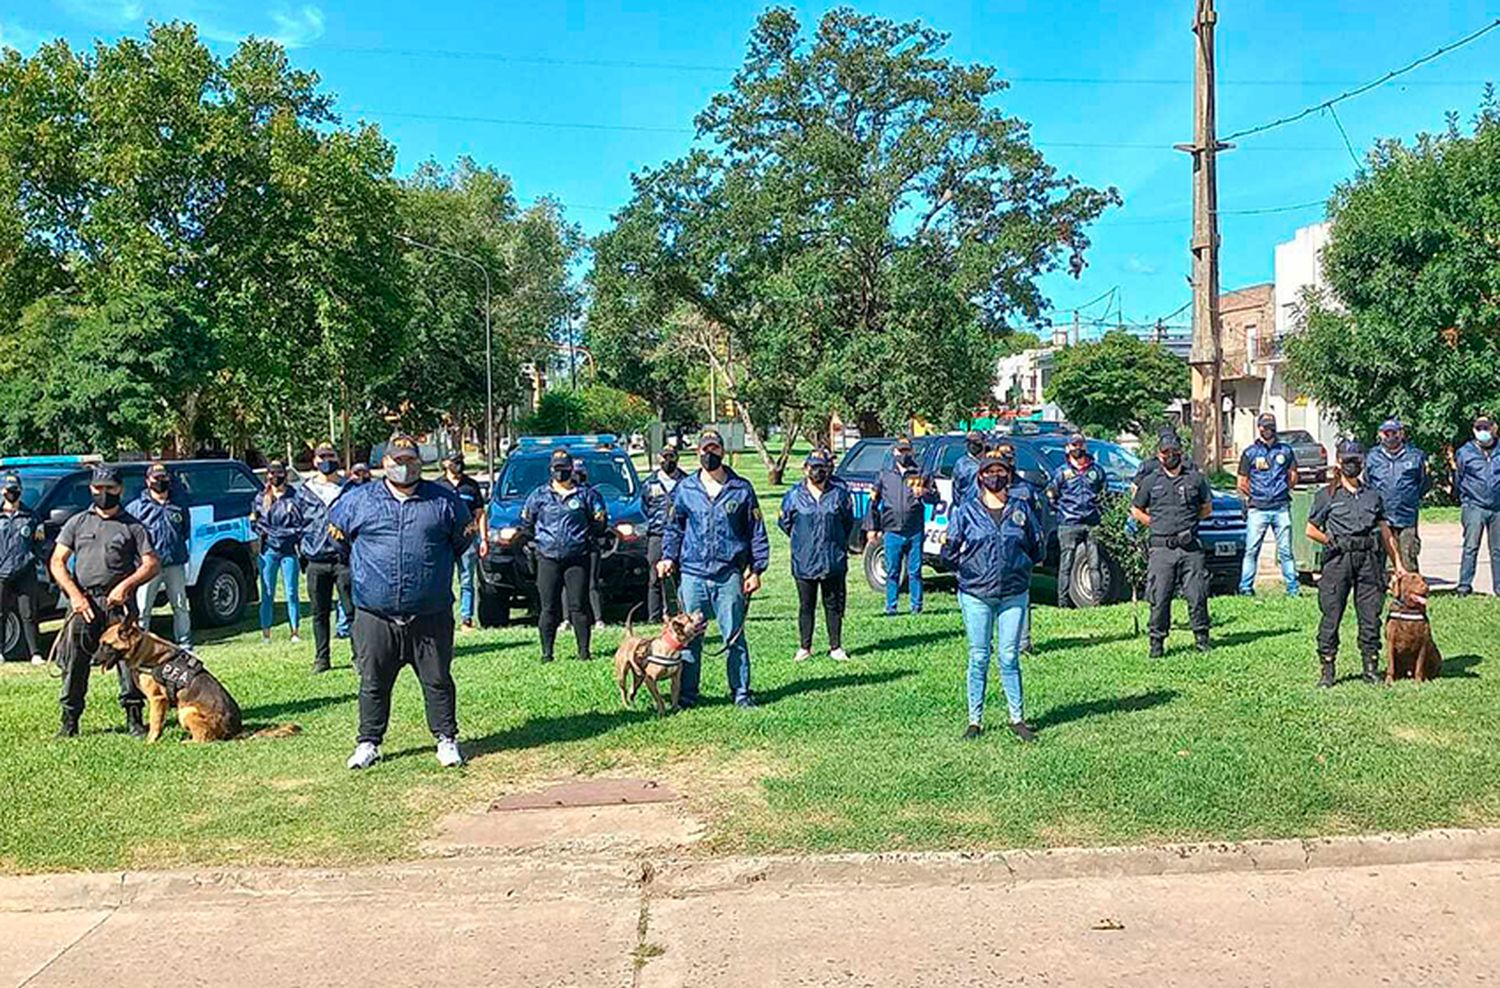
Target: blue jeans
{"x": 342, "y": 620}
{"x": 1279, "y": 521}
{"x": 271, "y": 562}
{"x": 899, "y": 548}
{"x": 467, "y": 564}
{"x": 722, "y": 597}
{"x": 1479, "y": 522}
{"x": 984, "y": 618}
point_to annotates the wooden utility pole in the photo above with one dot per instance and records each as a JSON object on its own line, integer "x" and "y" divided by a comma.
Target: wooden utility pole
{"x": 1208, "y": 348}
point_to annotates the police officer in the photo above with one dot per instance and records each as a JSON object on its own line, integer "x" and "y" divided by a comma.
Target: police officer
{"x": 897, "y": 513}
{"x": 967, "y": 468}
{"x": 717, "y": 537}
{"x": 1077, "y": 491}
{"x": 1022, "y": 490}
{"x": 1348, "y": 517}
{"x": 657, "y": 503}
{"x": 20, "y": 537}
{"x": 358, "y": 474}
{"x": 596, "y": 598}
{"x": 1268, "y": 472}
{"x": 276, "y": 518}
{"x": 1171, "y": 500}
{"x": 1478, "y": 481}
{"x": 327, "y": 569}
{"x": 168, "y": 523}
{"x": 1398, "y": 470}
{"x": 467, "y": 490}
{"x": 111, "y": 556}
{"x": 563, "y": 521}
{"x": 818, "y": 515}
{"x": 402, "y": 535}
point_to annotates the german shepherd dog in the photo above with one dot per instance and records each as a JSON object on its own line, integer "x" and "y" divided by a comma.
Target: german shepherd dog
{"x": 649, "y": 660}
{"x": 172, "y": 677}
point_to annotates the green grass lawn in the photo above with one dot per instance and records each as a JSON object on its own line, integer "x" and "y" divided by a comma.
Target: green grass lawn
{"x": 1440, "y": 514}
{"x": 863, "y": 756}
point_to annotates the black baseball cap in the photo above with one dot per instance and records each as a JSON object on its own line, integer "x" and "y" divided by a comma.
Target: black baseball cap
{"x": 561, "y": 455}
{"x": 1169, "y": 440}
{"x": 104, "y": 476}
{"x": 1392, "y": 425}
{"x": 401, "y": 443}
{"x": 454, "y": 456}
{"x": 360, "y": 469}
{"x": 819, "y": 458}
{"x": 1078, "y": 439}
{"x": 325, "y": 449}
{"x": 1265, "y": 418}
{"x": 1000, "y": 456}
{"x": 1351, "y": 448}
{"x": 157, "y": 470}
{"x": 710, "y": 437}
{"x": 11, "y": 482}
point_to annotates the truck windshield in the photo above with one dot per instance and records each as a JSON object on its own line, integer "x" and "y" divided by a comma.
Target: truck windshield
{"x": 1119, "y": 463}
{"x": 610, "y": 475}
{"x": 36, "y": 482}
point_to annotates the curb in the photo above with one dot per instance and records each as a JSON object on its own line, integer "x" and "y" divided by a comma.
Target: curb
{"x": 537, "y": 878}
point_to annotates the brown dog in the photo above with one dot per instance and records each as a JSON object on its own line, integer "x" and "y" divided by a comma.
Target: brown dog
{"x": 171, "y": 677}
{"x": 1410, "y": 651}
{"x": 649, "y": 660}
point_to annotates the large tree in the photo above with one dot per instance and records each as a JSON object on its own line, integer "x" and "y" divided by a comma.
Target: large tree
{"x": 855, "y": 234}
{"x": 1120, "y": 383}
{"x": 1411, "y": 326}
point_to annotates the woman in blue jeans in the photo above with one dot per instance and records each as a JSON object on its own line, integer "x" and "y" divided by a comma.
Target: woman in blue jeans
{"x": 994, "y": 541}
{"x": 277, "y": 519}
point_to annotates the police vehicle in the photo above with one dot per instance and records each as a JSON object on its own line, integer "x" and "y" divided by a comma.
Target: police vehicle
{"x": 1037, "y": 455}
{"x": 222, "y": 548}
{"x": 507, "y": 575}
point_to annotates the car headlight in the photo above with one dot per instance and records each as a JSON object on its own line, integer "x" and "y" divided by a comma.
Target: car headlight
{"x": 625, "y": 529}
{"x": 507, "y": 534}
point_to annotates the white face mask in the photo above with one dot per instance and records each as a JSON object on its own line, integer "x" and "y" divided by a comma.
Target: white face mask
{"x": 403, "y": 473}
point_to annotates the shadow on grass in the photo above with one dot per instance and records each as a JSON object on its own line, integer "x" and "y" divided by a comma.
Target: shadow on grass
{"x": 1042, "y": 645}
{"x": 1058, "y": 716}
{"x": 1460, "y": 667}
{"x": 1260, "y": 634}
{"x": 484, "y": 647}
{"x": 907, "y": 641}
{"x": 272, "y": 711}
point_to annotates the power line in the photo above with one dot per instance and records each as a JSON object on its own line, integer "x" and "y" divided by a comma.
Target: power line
{"x": 1359, "y": 90}
{"x": 1345, "y": 135}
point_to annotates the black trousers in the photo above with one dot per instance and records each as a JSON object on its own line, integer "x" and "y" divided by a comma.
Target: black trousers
{"x": 835, "y": 594}
{"x": 78, "y": 649}
{"x": 1361, "y": 573}
{"x": 554, "y": 578}
{"x": 22, "y": 588}
{"x": 323, "y": 579}
{"x": 1069, "y": 539}
{"x": 656, "y": 592}
{"x": 1167, "y": 569}
{"x": 384, "y": 645}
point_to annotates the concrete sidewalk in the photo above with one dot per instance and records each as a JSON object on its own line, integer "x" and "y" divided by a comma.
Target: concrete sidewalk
{"x": 1442, "y": 549}
{"x": 910, "y": 921}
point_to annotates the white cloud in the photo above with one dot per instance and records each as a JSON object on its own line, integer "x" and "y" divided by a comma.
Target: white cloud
{"x": 216, "y": 20}
{"x": 297, "y": 28}
{"x": 1135, "y": 264}
{"x": 114, "y": 13}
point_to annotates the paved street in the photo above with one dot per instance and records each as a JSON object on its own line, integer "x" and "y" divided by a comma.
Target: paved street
{"x": 515, "y": 921}
{"x": 1441, "y": 548}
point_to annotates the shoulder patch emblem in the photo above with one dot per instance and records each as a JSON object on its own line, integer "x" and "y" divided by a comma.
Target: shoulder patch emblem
{"x": 731, "y": 505}
{"x": 1019, "y": 517}
{"x": 573, "y": 504}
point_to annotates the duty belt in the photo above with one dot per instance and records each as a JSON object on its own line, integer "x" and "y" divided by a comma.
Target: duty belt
{"x": 1182, "y": 540}
{"x": 1354, "y": 543}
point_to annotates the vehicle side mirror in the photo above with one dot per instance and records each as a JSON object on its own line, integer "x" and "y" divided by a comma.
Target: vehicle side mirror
{"x": 59, "y": 516}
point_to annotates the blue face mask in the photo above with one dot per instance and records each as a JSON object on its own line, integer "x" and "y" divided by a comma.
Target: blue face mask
{"x": 326, "y": 467}
{"x": 1484, "y": 437}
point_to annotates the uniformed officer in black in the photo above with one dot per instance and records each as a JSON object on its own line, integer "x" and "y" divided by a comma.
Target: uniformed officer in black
{"x": 657, "y": 503}
{"x": 112, "y": 556}
{"x": 1348, "y": 518}
{"x": 1171, "y": 500}
{"x": 20, "y": 537}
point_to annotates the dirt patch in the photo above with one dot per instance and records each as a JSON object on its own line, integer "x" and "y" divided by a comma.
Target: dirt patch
{"x": 1431, "y": 736}
{"x": 627, "y": 829}
{"x": 588, "y": 792}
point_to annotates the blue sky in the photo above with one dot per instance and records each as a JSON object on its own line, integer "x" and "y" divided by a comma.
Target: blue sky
{"x": 587, "y": 91}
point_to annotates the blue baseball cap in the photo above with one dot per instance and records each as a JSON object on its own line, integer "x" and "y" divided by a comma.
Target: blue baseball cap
{"x": 104, "y": 476}
{"x": 819, "y": 458}
{"x": 11, "y": 481}
{"x": 1391, "y": 425}
{"x": 1351, "y": 448}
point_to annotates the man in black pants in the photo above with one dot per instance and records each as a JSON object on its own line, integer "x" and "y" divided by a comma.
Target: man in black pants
{"x": 1171, "y": 501}
{"x": 20, "y": 536}
{"x": 657, "y": 502}
{"x": 402, "y": 535}
{"x": 563, "y": 521}
{"x": 327, "y": 569}
{"x": 113, "y": 557}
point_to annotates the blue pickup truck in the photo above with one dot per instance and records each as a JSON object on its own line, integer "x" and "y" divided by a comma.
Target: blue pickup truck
{"x": 1037, "y": 455}
{"x": 222, "y": 548}
{"x": 507, "y": 576}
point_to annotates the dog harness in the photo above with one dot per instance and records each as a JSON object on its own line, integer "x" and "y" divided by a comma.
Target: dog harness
{"x": 669, "y": 639}
{"x": 1406, "y": 616}
{"x": 176, "y": 673}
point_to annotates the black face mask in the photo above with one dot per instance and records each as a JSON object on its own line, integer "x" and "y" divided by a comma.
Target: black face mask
{"x": 907, "y": 460}
{"x": 669, "y": 464}
{"x": 1352, "y": 467}
{"x": 562, "y": 473}
{"x": 974, "y": 446}
{"x": 278, "y": 479}
{"x": 818, "y": 475}
{"x": 327, "y": 467}
{"x": 13, "y": 495}
{"x": 1268, "y": 434}
{"x": 1171, "y": 460}
{"x": 457, "y": 466}
{"x": 711, "y": 461}
{"x": 994, "y": 481}
{"x": 106, "y": 499}
{"x": 160, "y": 485}
{"x": 1391, "y": 440}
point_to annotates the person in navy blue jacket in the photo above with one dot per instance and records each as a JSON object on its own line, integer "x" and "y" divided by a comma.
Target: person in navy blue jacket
{"x": 657, "y": 502}
{"x": 327, "y": 570}
{"x": 1398, "y": 470}
{"x": 818, "y": 514}
{"x": 1477, "y": 477}
{"x": 402, "y": 535}
{"x": 1268, "y": 472}
{"x": 562, "y": 521}
{"x": 967, "y": 468}
{"x": 277, "y": 518}
{"x": 994, "y": 541}
{"x": 717, "y": 537}
{"x": 896, "y": 516}
{"x": 1077, "y": 490}
{"x": 169, "y": 525}
{"x": 20, "y": 537}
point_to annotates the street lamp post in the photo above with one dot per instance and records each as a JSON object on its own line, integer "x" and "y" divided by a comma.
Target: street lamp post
{"x": 489, "y": 349}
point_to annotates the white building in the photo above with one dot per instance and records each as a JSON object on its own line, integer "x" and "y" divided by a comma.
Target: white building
{"x": 1022, "y": 378}
{"x": 1299, "y": 266}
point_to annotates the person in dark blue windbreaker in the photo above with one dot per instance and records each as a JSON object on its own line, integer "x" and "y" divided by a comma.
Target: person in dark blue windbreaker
{"x": 563, "y": 521}
{"x": 169, "y": 524}
{"x": 1077, "y": 492}
{"x": 994, "y": 541}
{"x": 656, "y": 501}
{"x": 402, "y": 535}
{"x": 1477, "y": 477}
{"x": 277, "y": 519}
{"x": 21, "y": 535}
{"x": 327, "y": 569}
{"x": 1268, "y": 473}
{"x": 967, "y": 468}
{"x": 1398, "y": 470}
{"x": 818, "y": 515}
{"x": 896, "y": 517}
{"x": 717, "y": 538}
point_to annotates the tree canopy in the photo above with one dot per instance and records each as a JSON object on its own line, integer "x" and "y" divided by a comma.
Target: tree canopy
{"x": 1120, "y": 383}
{"x": 1411, "y": 326}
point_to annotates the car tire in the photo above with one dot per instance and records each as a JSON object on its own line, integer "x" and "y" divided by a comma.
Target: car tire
{"x": 10, "y": 636}
{"x": 874, "y": 565}
{"x": 222, "y": 593}
{"x": 493, "y": 607}
{"x": 1081, "y": 589}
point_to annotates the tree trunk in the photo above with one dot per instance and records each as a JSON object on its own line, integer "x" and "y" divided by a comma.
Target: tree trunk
{"x": 751, "y": 432}
{"x": 778, "y": 472}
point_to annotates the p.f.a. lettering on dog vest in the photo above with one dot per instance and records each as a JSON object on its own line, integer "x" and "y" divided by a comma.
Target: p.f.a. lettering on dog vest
{"x": 177, "y": 672}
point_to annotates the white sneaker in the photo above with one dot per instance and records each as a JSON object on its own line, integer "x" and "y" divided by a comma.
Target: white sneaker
{"x": 802, "y": 655}
{"x": 37, "y": 660}
{"x": 296, "y": 638}
{"x": 838, "y": 655}
{"x": 365, "y": 755}
{"x": 448, "y": 754}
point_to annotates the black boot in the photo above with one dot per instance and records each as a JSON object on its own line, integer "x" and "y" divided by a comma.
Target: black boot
{"x": 134, "y": 723}
{"x": 1202, "y": 642}
{"x": 320, "y": 665}
{"x": 69, "y": 728}
{"x": 1372, "y": 669}
{"x": 1157, "y": 649}
{"x": 1326, "y": 680}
